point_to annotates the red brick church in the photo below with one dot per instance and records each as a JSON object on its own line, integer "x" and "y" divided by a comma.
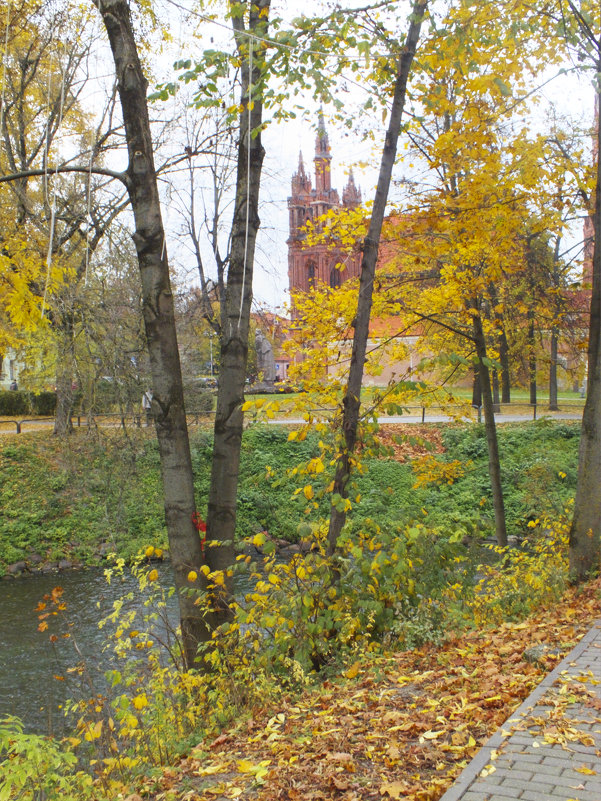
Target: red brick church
{"x": 318, "y": 263}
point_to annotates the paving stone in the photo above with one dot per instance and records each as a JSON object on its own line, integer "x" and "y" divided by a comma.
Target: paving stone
{"x": 577, "y": 795}
{"x": 534, "y": 795}
{"x": 521, "y": 775}
{"x": 549, "y": 771}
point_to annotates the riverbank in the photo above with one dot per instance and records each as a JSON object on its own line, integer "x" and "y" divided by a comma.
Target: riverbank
{"x": 68, "y": 502}
{"x": 401, "y": 725}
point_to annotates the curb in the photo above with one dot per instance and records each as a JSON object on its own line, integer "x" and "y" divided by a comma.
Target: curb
{"x": 483, "y": 757}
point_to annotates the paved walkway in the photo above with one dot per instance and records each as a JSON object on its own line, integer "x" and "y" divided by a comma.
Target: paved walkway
{"x": 550, "y": 749}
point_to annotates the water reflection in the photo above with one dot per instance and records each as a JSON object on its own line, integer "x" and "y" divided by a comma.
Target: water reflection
{"x": 29, "y": 662}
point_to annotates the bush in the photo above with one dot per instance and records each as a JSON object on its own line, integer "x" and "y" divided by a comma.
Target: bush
{"x": 13, "y": 402}
{"x": 198, "y": 400}
{"x": 43, "y": 403}
{"x": 385, "y": 586}
{"x": 522, "y": 580}
{"x": 20, "y": 402}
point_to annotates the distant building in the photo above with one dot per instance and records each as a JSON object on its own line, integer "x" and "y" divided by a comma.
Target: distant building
{"x": 10, "y": 366}
{"x": 321, "y": 263}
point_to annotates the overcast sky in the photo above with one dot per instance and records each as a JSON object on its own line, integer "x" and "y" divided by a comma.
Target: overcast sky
{"x": 573, "y": 96}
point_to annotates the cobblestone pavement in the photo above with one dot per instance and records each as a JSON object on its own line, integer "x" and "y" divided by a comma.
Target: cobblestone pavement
{"x": 550, "y": 749}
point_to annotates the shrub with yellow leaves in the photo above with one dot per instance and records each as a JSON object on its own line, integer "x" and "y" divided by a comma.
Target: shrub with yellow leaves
{"x": 523, "y": 579}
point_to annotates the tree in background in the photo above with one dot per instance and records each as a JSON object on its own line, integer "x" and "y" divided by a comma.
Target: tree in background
{"x": 582, "y": 26}
{"x": 61, "y": 217}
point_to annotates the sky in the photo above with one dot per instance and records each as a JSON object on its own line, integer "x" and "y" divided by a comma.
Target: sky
{"x": 569, "y": 95}
{"x": 283, "y": 141}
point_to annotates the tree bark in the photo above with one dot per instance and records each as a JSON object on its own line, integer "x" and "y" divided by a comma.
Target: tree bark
{"x": 65, "y": 374}
{"x": 505, "y": 374}
{"x": 553, "y": 404}
{"x": 554, "y": 346}
{"x": 476, "y": 389}
{"x": 159, "y": 321}
{"x": 585, "y": 532}
{"x": 494, "y": 462}
{"x": 352, "y": 398}
{"x": 496, "y": 395}
{"x": 531, "y": 357}
{"x": 235, "y": 310}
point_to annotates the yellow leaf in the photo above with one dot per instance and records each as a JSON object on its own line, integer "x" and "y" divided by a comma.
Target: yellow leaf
{"x": 192, "y": 576}
{"x": 308, "y": 492}
{"x": 353, "y": 670}
{"x": 246, "y": 406}
{"x": 140, "y": 701}
{"x": 292, "y": 436}
{"x": 587, "y": 771}
{"x": 153, "y": 575}
{"x": 392, "y": 789}
{"x": 431, "y": 735}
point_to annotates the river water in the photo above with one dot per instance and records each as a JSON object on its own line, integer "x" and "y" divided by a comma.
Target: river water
{"x": 29, "y": 662}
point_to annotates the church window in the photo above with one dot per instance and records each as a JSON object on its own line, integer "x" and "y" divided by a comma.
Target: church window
{"x": 311, "y": 273}
{"x": 334, "y": 277}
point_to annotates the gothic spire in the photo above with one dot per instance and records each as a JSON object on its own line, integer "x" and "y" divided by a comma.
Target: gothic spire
{"x": 351, "y": 194}
{"x": 322, "y": 145}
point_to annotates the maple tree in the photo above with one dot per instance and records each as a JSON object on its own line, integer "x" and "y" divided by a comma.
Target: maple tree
{"x": 352, "y": 395}
{"x": 582, "y": 26}
{"x": 488, "y": 171}
{"x": 34, "y": 110}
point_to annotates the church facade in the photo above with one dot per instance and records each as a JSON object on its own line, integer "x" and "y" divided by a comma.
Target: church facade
{"x": 324, "y": 264}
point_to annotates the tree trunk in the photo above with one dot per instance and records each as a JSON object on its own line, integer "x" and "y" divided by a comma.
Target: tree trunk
{"x": 352, "y": 398}
{"x": 496, "y": 397}
{"x": 553, "y": 404}
{"x": 159, "y": 321}
{"x": 476, "y": 388}
{"x": 585, "y": 532}
{"x": 505, "y": 375}
{"x": 65, "y": 374}
{"x": 235, "y": 312}
{"x": 494, "y": 463}
{"x": 531, "y": 357}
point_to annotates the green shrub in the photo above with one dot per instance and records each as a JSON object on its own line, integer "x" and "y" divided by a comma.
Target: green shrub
{"x": 198, "y": 400}
{"x": 13, "y": 402}
{"x": 34, "y": 767}
{"x": 21, "y": 402}
{"x": 43, "y": 403}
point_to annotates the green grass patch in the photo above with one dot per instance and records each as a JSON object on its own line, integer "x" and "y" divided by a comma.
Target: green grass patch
{"x": 79, "y": 497}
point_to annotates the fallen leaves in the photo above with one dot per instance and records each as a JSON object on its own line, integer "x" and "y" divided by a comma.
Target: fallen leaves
{"x": 400, "y": 726}
{"x": 410, "y": 441}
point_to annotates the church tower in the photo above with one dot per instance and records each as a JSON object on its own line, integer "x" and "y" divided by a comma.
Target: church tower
{"x": 308, "y": 266}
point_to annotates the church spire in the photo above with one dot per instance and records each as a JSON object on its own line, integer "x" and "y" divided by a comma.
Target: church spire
{"x": 351, "y": 194}
{"x": 323, "y": 157}
{"x": 301, "y": 182}
{"x": 322, "y": 144}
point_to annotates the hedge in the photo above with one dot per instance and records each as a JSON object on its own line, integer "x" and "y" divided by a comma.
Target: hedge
{"x": 17, "y": 402}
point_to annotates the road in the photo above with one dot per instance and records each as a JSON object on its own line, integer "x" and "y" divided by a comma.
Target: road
{"x": 28, "y": 425}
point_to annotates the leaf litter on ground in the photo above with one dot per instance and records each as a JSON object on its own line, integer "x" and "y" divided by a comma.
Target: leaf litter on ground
{"x": 402, "y": 725}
